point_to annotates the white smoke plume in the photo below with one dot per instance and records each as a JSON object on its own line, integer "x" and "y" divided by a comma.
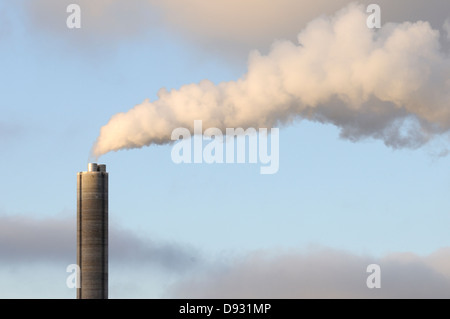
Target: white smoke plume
{"x": 391, "y": 84}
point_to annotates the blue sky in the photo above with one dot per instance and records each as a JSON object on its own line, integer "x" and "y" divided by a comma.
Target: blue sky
{"x": 57, "y": 90}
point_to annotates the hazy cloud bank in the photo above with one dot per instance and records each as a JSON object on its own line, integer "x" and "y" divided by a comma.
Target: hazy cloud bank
{"x": 321, "y": 273}
{"x": 28, "y": 240}
{"x": 223, "y": 27}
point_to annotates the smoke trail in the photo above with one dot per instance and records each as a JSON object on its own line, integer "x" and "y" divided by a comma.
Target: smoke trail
{"x": 390, "y": 84}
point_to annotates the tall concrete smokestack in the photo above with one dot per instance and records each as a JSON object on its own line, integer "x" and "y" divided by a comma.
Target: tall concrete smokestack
{"x": 92, "y": 232}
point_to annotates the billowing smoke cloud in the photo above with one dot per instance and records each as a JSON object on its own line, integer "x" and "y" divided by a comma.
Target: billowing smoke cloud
{"x": 390, "y": 84}
{"x": 321, "y": 273}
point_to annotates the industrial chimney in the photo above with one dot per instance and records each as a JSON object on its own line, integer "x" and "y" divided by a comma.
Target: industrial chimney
{"x": 92, "y": 232}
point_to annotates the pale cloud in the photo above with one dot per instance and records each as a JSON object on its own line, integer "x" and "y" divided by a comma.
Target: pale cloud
{"x": 235, "y": 27}
{"x": 10, "y": 131}
{"x": 320, "y": 273}
{"x": 105, "y": 24}
{"x": 24, "y": 239}
{"x": 223, "y": 27}
{"x": 447, "y": 28}
{"x": 5, "y": 24}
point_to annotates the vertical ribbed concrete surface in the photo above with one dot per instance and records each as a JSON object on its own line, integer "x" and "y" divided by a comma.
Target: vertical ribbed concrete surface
{"x": 92, "y": 232}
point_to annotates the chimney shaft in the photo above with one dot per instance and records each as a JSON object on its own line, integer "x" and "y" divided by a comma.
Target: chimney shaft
{"x": 92, "y": 232}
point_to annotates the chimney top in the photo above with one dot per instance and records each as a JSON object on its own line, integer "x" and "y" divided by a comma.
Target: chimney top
{"x": 94, "y": 167}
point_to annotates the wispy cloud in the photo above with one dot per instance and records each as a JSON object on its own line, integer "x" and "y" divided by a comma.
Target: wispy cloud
{"x": 170, "y": 256}
{"x": 10, "y": 131}
{"x": 24, "y": 240}
{"x": 5, "y": 23}
{"x": 104, "y": 23}
{"x": 315, "y": 273}
{"x": 224, "y": 27}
